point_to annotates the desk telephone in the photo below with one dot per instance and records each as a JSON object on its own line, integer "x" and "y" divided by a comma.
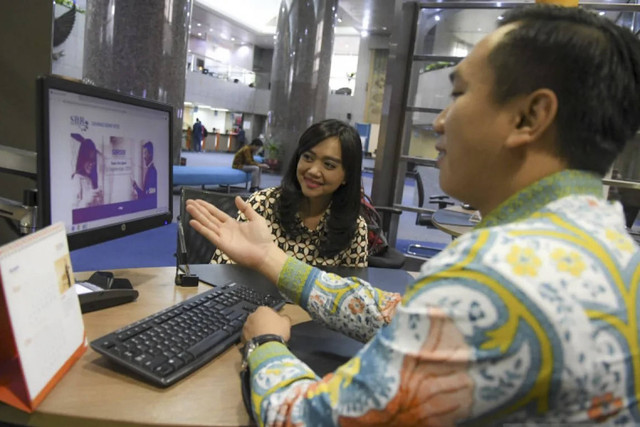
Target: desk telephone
{"x": 102, "y": 290}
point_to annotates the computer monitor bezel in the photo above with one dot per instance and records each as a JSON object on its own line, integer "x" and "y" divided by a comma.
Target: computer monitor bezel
{"x": 93, "y": 236}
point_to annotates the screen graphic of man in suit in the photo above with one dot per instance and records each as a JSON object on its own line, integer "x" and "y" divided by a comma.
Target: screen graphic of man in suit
{"x": 150, "y": 184}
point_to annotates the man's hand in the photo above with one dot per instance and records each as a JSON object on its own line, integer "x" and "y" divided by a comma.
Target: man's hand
{"x": 266, "y": 321}
{"x": 247, "y": 243}
{"x": 263, "y": 165}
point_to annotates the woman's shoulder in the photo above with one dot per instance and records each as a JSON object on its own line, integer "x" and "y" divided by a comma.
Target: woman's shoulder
{"x": 266, "y": 194}
{"x": 266, "y": 197}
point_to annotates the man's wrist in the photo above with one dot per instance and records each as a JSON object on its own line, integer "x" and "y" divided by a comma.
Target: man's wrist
{"x": 255, "y": 342}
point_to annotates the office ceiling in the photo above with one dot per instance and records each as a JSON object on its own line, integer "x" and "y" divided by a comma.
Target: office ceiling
{"x": 255, "y": 21}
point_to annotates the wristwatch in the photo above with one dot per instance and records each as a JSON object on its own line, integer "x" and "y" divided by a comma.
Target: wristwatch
{"x": 256, "y": 342}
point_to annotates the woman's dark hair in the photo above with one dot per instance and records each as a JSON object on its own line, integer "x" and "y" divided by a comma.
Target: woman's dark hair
{"x": 345, "y": 202}
{"x": 86, "y": 153}
{"x": 593, "y": 67}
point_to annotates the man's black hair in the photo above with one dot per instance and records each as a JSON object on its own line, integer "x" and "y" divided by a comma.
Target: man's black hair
{"x": 257, "y": 142}
{"x": 593, "y": 67}
{"x": 345, "y": 202}
{"x": 149, "y": 147}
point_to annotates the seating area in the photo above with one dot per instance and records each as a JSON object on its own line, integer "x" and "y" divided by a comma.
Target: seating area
{"x": 209, "y": 175}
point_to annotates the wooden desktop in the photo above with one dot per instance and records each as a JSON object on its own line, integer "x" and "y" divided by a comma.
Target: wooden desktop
{"x": 95, "y": 392}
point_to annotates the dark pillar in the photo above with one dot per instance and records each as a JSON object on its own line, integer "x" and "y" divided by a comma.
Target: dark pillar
{"x": 140, "y": 48}
{"x": 25, "y": 53}
{"x": 300, "y": 71}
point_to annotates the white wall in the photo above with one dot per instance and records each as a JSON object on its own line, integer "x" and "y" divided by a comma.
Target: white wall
{"x": 210, "y": 118}
{"x": 218, "y": 93}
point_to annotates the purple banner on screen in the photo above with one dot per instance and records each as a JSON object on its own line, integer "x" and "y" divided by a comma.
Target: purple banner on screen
{"x": 114, "y": 209}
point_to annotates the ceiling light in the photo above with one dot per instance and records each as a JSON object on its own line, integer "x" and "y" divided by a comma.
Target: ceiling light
{"x": 364, "y": 33}
{"x": 199, "y": 24}
{"x": 233, "y": 39}
{"x": 339, "y": 20}
{"x": 600, "y": 13}
{"x": 199, "y": 34}
{"x": 437, "y": 17}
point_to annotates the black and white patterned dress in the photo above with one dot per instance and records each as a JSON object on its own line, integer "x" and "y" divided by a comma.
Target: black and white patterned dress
{"x": 303, "y": 247}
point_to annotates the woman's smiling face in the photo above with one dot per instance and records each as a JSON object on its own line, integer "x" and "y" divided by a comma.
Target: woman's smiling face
{"x": 320, "y": 171}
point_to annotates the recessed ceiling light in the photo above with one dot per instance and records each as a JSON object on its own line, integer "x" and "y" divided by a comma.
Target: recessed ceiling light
{"x": 233, "y": 39}
{"x": 199, "y": 34}
{"x": 199, "y": 24}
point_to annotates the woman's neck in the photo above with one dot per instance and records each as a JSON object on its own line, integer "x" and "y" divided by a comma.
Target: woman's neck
{"x": 311, "y": 211}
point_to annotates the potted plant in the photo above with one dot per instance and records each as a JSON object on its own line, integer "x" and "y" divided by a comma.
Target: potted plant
{"x": 272, "y": 151}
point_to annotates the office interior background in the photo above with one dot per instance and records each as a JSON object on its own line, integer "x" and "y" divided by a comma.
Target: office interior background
{"x": 385, "y": 69}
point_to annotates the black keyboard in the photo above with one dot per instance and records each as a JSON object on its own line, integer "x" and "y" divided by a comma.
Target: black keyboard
{"x": 172, "y": 343}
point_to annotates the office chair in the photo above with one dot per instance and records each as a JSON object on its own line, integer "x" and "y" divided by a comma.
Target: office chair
{"x": 425, "y": 218}
{"x": 199, "y": 250}
{"x": 391, "y": 258}
{"x": 378, "y": 220}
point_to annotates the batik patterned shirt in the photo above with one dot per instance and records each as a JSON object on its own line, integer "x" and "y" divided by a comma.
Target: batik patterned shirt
{"x": 531, "y": 317}
{"x": 303, "y": 247}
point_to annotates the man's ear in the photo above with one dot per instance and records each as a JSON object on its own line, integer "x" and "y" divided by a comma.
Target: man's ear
{"x": 535, "y": 114}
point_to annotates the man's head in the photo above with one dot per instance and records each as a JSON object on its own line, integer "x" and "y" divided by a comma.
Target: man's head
{"x": 592, "y": 66}
{"x": 147, "y": 153}
{"x": 256, "y": 144}
{"x": 552, "y": 88}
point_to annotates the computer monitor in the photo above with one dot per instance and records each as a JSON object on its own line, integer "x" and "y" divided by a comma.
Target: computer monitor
{"x": 104, "y": 161}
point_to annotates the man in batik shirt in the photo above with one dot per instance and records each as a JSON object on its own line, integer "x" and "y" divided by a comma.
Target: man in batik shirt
{"x": 530, "y": 318}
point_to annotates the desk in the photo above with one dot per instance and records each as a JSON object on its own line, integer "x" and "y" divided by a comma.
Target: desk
{"x": 453, "y": 220}
{"x": 95, "y": 392}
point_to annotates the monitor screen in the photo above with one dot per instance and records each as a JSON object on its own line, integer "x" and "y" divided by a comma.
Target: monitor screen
{"x": 104, "y": 161}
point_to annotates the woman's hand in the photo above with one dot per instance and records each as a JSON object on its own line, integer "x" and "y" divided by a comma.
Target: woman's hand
{"x": 248, "y": 243}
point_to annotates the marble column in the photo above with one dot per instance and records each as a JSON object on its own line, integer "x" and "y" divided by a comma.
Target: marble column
{"x": 300, "y": 71}
{"x": 140, "y": 48}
